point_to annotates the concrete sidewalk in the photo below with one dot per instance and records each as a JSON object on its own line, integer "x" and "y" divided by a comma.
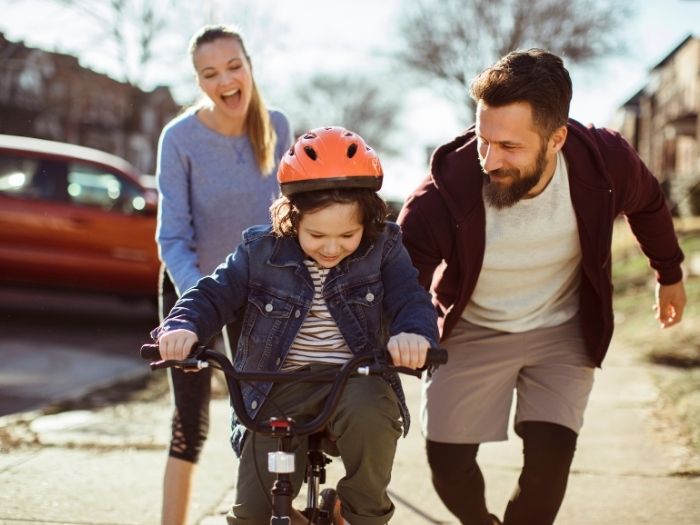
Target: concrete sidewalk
{"x": 104, "y": 467}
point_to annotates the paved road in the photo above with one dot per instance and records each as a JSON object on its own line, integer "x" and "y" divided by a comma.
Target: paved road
{"x": 104, "y": 466}
{"x": 46, "y": 336}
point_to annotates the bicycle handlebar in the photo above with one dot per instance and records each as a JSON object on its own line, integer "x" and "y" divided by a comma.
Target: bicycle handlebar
{"x": 200, "y": 356}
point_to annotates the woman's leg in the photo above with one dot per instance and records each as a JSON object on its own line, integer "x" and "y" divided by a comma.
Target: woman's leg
{"x": 190, "y": 394}
{"x": 177, "y": 484}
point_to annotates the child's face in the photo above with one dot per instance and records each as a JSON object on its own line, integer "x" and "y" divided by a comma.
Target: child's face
{"x": 331, "y": 234}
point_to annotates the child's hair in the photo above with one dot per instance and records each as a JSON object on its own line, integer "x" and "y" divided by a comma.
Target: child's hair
{"x": 286, "y": 212}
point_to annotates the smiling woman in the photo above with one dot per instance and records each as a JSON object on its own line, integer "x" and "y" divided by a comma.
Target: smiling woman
{"x": 214, "y": 175}
{"x": 225, "y": 77}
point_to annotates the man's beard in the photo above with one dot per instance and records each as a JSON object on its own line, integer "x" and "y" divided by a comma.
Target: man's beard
{"x": 500, "y": 197}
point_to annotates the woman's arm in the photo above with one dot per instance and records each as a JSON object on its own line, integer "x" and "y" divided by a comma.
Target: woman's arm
{"x": 174, "y": 233}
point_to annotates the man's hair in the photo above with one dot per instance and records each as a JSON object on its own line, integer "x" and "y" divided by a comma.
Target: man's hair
{"x": 534, "y": 76}
{"x": 286, "y": 212}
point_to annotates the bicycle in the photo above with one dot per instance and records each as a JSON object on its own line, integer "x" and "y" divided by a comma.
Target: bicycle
{"x": 319, "y": 505}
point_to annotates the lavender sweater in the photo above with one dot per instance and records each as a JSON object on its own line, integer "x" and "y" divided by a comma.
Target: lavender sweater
{"x": 210, "y": 190}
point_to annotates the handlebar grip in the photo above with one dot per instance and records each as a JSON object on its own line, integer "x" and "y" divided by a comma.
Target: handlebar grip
{"x": 150, "y": 352}
{"x": 436, "y": 356}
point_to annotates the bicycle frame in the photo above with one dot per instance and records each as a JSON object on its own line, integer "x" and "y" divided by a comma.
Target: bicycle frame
{"x": 281, "y": 462}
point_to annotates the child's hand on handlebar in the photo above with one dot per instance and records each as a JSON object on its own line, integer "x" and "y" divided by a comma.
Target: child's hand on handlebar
{"x": 176, "y": 344}
{"x": 408, "y": 350}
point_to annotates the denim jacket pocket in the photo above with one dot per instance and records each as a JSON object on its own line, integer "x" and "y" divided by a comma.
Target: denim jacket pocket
{"x": 266, "y": 320}
{"x": 365, "y": 302}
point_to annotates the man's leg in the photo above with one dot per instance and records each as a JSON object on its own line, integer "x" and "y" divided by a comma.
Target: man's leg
{"x": 548, "y": 452}
{"x": 553, "y": 390}
{"x": 458, "y": 481}
{"x": 465, "y": 402}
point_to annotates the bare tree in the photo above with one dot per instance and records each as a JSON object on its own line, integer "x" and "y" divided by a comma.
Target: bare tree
{"x": 450, "y": 41}
{"x": 357, "y": 103}
{"x": 133, "y": 27}
{"x": 142, "y": 34}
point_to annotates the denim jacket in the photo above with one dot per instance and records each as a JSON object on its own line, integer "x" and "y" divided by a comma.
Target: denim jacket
{"x": 372, "y": 293}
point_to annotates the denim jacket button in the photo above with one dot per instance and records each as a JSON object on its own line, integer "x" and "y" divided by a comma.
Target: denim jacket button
{"x": 369, "y": 296}
{"x": 254, "y": 404}
{"x": 297, "y": 314}
{"x": 268, "y": 307}
{"x": 278, "y": 361}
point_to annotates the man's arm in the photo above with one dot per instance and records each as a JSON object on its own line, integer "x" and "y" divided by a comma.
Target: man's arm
{"x": 644, "y": 205}
{"x": 640, "y": 198}
{"x": 419, "y": 238}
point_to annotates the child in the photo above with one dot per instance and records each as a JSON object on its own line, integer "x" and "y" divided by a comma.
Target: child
{"x": 323, "y": 283}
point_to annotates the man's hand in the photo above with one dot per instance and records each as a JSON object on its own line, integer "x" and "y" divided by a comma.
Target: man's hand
{"x": 176, "y": 344}
{"x": 670, "y": 303}
{"x": 408, "y": 350}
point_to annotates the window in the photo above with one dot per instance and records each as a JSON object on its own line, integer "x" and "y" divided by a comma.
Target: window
{"x": 78, "y": 183}
{"x": 15, "y": 174}
{"x": 92, "y": 186}
{"x": 32, "y": 178}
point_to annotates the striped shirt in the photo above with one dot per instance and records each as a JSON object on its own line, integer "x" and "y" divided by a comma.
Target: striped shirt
{"x": 319, "y": 340}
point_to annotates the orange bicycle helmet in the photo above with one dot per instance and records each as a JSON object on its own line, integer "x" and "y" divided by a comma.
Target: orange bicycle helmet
{"x": 329, "y": 158}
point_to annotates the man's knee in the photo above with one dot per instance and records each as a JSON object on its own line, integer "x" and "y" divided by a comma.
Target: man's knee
{"x": 548, "y": 452}
{"x": 451, "y": 462}
{"x": 547, "y": 446}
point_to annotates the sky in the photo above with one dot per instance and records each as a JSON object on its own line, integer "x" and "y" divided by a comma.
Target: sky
{"x": 288, "y": 39}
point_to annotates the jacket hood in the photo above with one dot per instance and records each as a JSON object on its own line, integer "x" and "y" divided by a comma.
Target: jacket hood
{"x": 449, "y": 172}
{"x": 451, "y": 163}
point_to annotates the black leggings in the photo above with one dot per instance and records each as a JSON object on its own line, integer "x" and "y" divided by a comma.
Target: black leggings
{"x": 191, "y": 391}
{"x": 548, "y": 450}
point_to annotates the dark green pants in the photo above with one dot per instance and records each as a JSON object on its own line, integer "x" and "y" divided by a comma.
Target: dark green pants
{"x": 366, "y": 426}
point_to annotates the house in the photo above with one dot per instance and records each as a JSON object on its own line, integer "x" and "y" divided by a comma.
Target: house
{"x": 50, "y": 95}
{"x": 661, "y": 122}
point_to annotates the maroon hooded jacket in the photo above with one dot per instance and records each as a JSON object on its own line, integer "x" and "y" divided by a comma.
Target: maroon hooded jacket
{"x": 443, "y": 224}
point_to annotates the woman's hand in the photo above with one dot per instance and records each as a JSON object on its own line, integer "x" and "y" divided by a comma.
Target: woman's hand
{"x": 176, "y": 344}
{"x": 408, "y": 350}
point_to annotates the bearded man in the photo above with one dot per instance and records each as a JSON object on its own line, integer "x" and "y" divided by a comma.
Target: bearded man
{"x": 511, "y": 232}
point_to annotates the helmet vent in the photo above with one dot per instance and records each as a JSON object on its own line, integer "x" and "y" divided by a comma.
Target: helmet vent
{"x": 352, "y": 149}
{"x": 310, "y": 152}
{"x": 310, "y": 136}
{"x": 291, "y": 151}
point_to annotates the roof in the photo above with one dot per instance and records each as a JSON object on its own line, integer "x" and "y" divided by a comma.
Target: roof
{"x": 63, "y": 149}
{"x": 675, "y": 50}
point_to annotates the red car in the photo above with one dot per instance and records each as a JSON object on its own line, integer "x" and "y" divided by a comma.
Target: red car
{"x": 76, "y": 218}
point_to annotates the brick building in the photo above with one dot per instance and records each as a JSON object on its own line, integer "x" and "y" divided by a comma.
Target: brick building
{"x": 50, "y": 95}
{"x": 661, "y": 122}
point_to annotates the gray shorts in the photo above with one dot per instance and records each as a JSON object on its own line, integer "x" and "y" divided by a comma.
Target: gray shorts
{"x": 468, "y": 400}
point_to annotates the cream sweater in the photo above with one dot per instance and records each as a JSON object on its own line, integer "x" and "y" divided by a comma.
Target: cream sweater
{"x": 531, "y": 270}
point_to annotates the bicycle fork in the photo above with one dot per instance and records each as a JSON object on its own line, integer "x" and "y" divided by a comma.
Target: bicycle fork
{"x": 282, "y": 464}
